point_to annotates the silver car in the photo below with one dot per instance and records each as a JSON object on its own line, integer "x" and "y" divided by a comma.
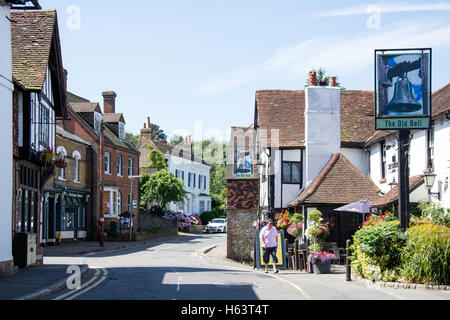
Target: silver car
{"x": 217, "y": 225}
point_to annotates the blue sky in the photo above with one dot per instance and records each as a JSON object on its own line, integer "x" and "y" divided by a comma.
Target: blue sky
{"x": 191, "y": 64}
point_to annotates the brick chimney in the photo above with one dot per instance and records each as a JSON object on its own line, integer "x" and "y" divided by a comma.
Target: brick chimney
{"x": 312, "y": 79}
{"x": 109, "y": 101}
{"x": 146, "y": 132}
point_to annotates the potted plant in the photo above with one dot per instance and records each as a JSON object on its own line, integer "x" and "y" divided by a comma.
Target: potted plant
{"x": 284, "y": 222}
{"x": 60, "y": 163}
{"x": 296, "y": 230}
{"x": 321, "y": 261}
{"x": 46, "y": 157}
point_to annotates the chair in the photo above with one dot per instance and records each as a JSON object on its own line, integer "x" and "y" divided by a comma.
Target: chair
{"x": 338, "y": 252}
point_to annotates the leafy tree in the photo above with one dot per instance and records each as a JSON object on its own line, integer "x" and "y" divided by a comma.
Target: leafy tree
{"x": 321, "y": 74}
{"x": 132, "y": 139}
{"x": 161, "y": 188}
{"x": 157, "y": 161}
{"x": 176, "y": 140}
{"x": 157, "y": 132}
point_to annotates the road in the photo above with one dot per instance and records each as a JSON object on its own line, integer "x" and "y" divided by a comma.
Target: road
{"x": 177, "y": 270}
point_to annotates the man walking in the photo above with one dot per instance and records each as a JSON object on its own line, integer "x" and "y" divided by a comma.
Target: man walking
{"x": 268, "y": 237}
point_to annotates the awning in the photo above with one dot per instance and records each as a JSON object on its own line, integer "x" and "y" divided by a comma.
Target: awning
{"x": 361, "y": 206}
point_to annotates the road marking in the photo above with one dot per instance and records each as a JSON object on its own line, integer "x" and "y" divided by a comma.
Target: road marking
{"x": 84, "y": 288}
{"x": 105, "y": 274}
{"x": 294, "y": 285}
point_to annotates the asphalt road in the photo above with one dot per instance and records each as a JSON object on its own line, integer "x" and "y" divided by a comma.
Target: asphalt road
{"x": 176, "y": 270}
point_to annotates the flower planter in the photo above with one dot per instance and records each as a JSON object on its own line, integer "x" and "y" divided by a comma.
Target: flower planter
{"x": 322, "y": 268}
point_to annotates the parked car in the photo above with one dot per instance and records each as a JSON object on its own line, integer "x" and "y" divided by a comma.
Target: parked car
{"x": 217, "y": 225}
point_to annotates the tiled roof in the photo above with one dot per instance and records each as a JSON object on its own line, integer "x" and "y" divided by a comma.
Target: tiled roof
{"x": 73, "y": 98}
{"x": 66, "y": 134}
{"x": 339, "y": 182}
{"x": 440, "y": 102}
{"x": 285, "y": 110}
{"x": 31, "y": 36}
{"x": 392, "y": 196}
{"x": 113, "y": 117}
{"x": 86, "y": 107}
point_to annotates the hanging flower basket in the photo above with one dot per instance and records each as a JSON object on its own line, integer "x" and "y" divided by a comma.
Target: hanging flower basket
{"x": 60, "y": 163}
{"x": 46, "y": 158}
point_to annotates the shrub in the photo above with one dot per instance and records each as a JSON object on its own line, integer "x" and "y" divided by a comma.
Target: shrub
{"x": 207, "y": 216}
{"x": 377, "y": 249}
{"x": 426, "y": 256}
{"x": 435, "y": 213}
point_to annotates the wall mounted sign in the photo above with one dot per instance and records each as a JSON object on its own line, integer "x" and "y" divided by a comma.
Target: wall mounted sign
{"x": 243, "y": 165}
{"x": 402, "y": 89}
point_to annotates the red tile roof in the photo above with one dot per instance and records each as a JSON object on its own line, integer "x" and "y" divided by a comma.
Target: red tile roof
{"x": 392, "y": 196}
{"x": 339, "y": 182}
{"x": 285, "y": 110}
{"x": 31, "y": 36}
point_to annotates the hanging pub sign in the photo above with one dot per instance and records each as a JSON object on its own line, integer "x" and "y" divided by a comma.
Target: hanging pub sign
{"x": 243, "y": 165}
{"x": 402, "y": 89}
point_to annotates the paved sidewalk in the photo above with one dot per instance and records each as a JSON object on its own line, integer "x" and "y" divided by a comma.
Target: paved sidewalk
{"x": 37, "y": 282}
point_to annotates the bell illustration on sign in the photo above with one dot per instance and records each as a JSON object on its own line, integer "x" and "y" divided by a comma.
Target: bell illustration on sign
{"x": 402, "y": 85}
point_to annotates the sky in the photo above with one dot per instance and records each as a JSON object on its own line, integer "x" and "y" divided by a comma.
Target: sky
{"x": 193, "y": 66}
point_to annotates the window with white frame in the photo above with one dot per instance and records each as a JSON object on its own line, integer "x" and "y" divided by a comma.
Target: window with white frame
{"x": 130, "y": 167}
{"x": 113, "y": 198}
{"x": 121, "y": 131}
{"x": 431, "y": 148}
{"x": 97, "y": 122}
{"x": 76, "y": 166}
{"x": 119, "y": 165}
{"x": 61, "y": 154}
{"x": 107, "y": 163}
{"x": 202, "y": 207}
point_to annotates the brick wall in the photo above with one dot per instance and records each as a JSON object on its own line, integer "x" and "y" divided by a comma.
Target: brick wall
{"x": 242, "y": 209}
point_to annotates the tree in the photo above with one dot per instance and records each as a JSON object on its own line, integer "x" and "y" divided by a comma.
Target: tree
{"x": 321, "y": 74}
{"x": 176, "y": 140}
{"x": 161, "y": 188}
{"x": 157, "y": 132}
{"x": 132, "y": 139}
{"x": 157, "y": 160}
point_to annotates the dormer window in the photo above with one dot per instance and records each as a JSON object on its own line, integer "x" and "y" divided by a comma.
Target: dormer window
{"x": 121, "y": 131}
{"x": 97, "y": 122}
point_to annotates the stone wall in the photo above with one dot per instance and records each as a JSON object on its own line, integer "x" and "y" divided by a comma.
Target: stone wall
{"x": 152, "y": 223}
{"x": 240, "y": 234}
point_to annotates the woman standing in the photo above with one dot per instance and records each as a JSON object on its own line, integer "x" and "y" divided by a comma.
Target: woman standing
{"x": 269, "y": 243}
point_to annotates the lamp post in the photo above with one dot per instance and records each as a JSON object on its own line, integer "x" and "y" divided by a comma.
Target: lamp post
{"x": 429, "y": 178}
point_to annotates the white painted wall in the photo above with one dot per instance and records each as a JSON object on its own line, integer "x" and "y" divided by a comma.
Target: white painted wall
{"x": 418, "y": 162}
{"x": 6, "y": 161}
{"x": 186, "y": 165}
{"x": 442, "y": 160}
{"x": 359, "y": 158}
{"x": 322, "y": 127}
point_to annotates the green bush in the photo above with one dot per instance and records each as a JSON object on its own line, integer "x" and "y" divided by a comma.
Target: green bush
{"x": 426, "y": 256}
{"x": 377, "y": 250}
{"x": 207, "y": 216}
{"x": 435, "y": 213}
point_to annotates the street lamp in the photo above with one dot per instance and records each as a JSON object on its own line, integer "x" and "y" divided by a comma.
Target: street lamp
{"x": 429, "y": 178}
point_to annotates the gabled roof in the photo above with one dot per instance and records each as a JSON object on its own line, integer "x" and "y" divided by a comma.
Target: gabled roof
{"x": 113, "y": 117}
{"x": 339, "y": 182}
{"x": 73, "y": 98}
{"x": 392, "y": 196}
{"x": 285, "y": 110}
{"x": 86, "y": 107}
{"x": 70, "y": 136}
{"x": 31, "y": 35}
{"x": 36, "y": 48}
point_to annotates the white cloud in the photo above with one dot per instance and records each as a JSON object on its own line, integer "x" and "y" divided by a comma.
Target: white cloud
{"x": 345, "y": 54}
{"x": 386, "y": 8}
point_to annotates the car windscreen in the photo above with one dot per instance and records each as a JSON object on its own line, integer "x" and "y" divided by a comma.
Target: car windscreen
{"x": 217, "y": 221}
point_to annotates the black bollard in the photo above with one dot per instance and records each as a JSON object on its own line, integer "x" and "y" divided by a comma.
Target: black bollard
{"x": 348, "y": 270}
